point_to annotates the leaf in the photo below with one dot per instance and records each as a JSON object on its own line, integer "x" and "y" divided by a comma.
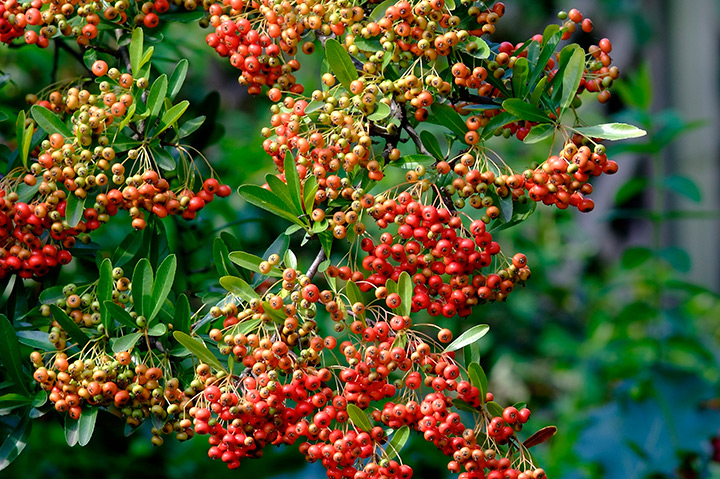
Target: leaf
{"x": 119, "y": 314}
{"x": 496, "y": 122}
{"x": 35, "y": 339}
{"x": 157, "y": 330}
{"x": 409, "y": 162}
{"x": 677, "y": 258}
{"x": 612, "y": 131}
{"x": 539, "y": 133}
{"x": 525, "y": 111}
{"x": 551, "y": 38}
{"x": 635, "y": 256}
{"x": 293, "y": 183}
{"x": 182, "y": 314}
{"x": 684, "y": 186}
{"x": 171, "y": 116}
{"x": 74, "y": 210}
{"x": 290, "y": 260}
{"x": 15, "y": 442}
{"x": 268, "y": 201}
{"x": 162, "y": 285}
{"x": 221, "y": 254}
{"x": 252, "y": 263}
{"x": 379, "y": 11}
{"x": 125, "y": 342}
{"x": 177, "y": 78}
{"x": 136, "y": 50}
{"x": 10, "y": 354}
{"x": 445, "y": 115}
{"x": 340, "y": 63}
{"x": 519, "y": 77}
{"x": 464, "y": 406}
{"x": 86, "y": 425}
{"x": 142, "y": 288}
{"x": 397, "y": 442}
{"x": 382, "y": 110}
{"x": 540, "y": 436}
{"x": 431, "y": 144}
{"x": 49, "y": 121}
{"x": 326, "y": 240}
{"x": 494, "y": 409}
{"x": 472, "y": 353}
{"x": 239, "y": 287}
{"x": 538, "y": 90}
{"x": 198, "y": 349}
{"x": 156, "y": 97}
{"x": 359, "y": 418}
{"x": 26, "y": 144}
{"x": 146, "y": 58}
{"x": 478, "y": 48}
{"x": 572, "y": 74}
{"x": 190, "y": 126}
{"x": 20, "y": 135}
{"x": 309, "y": 189}
{"x": 470, "y": 336}
{"x": 69, "y": 325}
{"x": 405, "y": 290}
{"x": 104, "y": 292}
{"x": 477, "y": 378}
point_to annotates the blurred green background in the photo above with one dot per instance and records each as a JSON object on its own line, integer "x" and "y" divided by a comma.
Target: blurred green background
{"x": 615, "y": 339}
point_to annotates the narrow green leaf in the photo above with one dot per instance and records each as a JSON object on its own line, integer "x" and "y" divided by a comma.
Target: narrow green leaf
{"x": 125, "y": 342}
{"x": 221, "y": 257}
{"x": 464, "y": 406}
{"x": 525, "y": 111}
{"x": 326, "y": 240}
{"x": 171, "y": 116}
{"x": 198, "y": 349}
{"x": 519, "y": 77}
{"x": 572, "y": 74}
{"x": 405, "y": 290}
{"x": 142, "y": 283}
{"x": 49, "y": 121}
{"x": 494, "y": 409}
{"x": 397, "y": 442}
{"x": 104, "y": 293}
{"x": 472, "y": 353}
{"x": 69, "y": 326}
{"x": 163, "y": 158}
{"x": 190, "y": 126}
{"x": 470, "y": 336}
{"x": 252, "y": 263}
{"x": 379, "y": 11}
{"x": 20, "y": 135}
{"x": 162, "y": 285}
{"x": 539, "y": 89}
{"x": 10, "y": 354}
{"x": 431, "y": 144}
{"x": 359, "y": 418}
{"x": 239, "y": 287}
{"x": 381, "y": 111}
{"x": 612, "y": 131}
{"x": 309, "y": 189}
{"x": 119, "y": 314}
{"x": 86, "y": 425}
{"x": 15, "y": 442}
{"x": 340, "y": 63}
{"x": 146, "y": 56}
{"x": 74, "y": 210}
{"x": 496, "y": 122}
{"x": 177, "y": 78}
{"x": 478, "y": 379}
{"x": 551, "y": 38}
{"x": 290, "y": 260}
{"x": 26, "y": 144}
{"x": 156, "y": 96}
{"x": 136, "y": 50}
{"x": 268, "y": 201}
{"x": 183, "y": 313}
{"x": 539, "y": 133}
{"x": 72, "y": 431}
{"x": 445, "y": 115}
{"x": 293, "y": 183}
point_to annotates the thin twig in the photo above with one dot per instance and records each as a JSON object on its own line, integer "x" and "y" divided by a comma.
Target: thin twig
{"x": 316, "y": 263}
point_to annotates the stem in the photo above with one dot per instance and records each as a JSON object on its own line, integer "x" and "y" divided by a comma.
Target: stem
{"x": 316, "y": 263}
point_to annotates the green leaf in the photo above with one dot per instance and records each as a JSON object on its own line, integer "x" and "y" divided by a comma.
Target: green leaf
{"x": 478, "y": 48}
{"x": 252, "y": 263}
{"x": 290, "y": 260}
{"x": 540, "y": 436}
{"x": 156, "y": 97}
{"x": 190, "y": 126}
{"x": 525, "y": 111}
{"x": 431, "y": 144}
{"x": 538, "y": 90}
{"x": 409, "y": 162}
{"x": 677, "y": 258}
{"x": 26, "y": 144}
{"x": 326, "y": 240}
{"x": 519, "y": 77}
{"x": 359, "y": 418}
{"x": 10, "y": 354}
{"x": 612, "y": 131}
{"x": 379, "y": 11}
{"x": 146, "y": 57}
{"x": 125, "y": 342}
{"x": 268, "y": 201}
{"x": 221, "y": 257}
{"x": 239, "y": 287}
{"x": 572, "y": 73}
{"x": 472, "y": 353}
{"x": 496, "y": 122}
{"x": 142, "y": 284}
{"x": 157, "y": 330}
{"x": 470, "y": 336}
{"x": 15, "y": 442}
{"x": 630, "y": 189}
{"x": 340, "y": 63}
{"x": 382, "y": 110}
{"x": 182, "y": 314}
{"x": 405, "y": 290}
{"x": 198, "y": 349}
{"x": 119, "y": 314}
{"x": 445, "y": 115}
{"x": 72, "y": 431}
{"x": 104, "y": 293}
{"x": 635, "y": 256}
{"x": 171, "y": 116}
{"x": 86, "y": 425}
{"x": 162, "y": 284}
{"x": 69, "y": 326}
{"x": 177, "y": 78}
{"x": 494, "y": 409}
{"x": 74, "y": 210}
{"x": 397, "y": 442}
{"x": 539, "y": 133}
{"x": 20, "y": 135}
{"x": 309, "y": 189}
{"x": 49, "y": 121}
{"x": 464, "y": 406}
{"x": 293, "y": 183}
{"x": 477, "y": 378}
{"x": 684, "y": 186}
{"x": 136, "y": 50}
{"x": 551, "y": 38}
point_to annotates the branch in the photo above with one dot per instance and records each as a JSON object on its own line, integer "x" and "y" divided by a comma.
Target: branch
{"x": 316, "y": 264}
{"x": 416, "y": 139}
